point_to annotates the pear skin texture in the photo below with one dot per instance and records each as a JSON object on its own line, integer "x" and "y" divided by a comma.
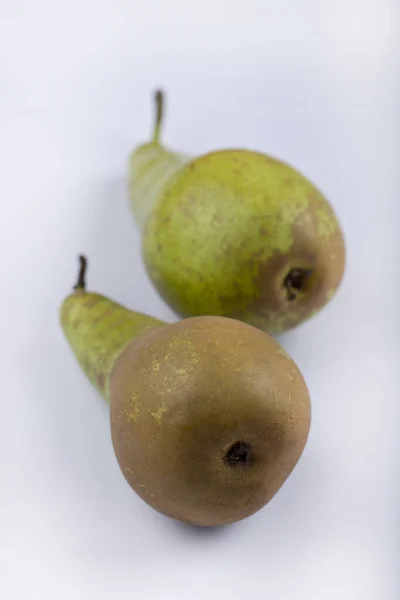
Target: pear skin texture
{"x": 182, "y": 396}
{"x": 98, "y": 330}
{"x": 223, "y": 230}
{"x": 151, "y": 166}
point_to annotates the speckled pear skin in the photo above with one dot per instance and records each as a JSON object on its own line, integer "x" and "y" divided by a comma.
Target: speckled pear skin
{"x": 221, "y": 232}
{"x": 209, "y": 416}
{"x": 196, "y": 389}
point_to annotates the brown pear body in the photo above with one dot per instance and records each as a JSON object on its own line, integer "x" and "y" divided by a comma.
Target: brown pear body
{"x": 208, "y": 415}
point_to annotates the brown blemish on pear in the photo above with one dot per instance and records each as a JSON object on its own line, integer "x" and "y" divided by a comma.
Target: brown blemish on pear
{"x": 325, "y": 274}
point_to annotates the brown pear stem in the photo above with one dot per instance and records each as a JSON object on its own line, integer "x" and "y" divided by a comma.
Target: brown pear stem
{"x": 81, "y": 281}
{"x": 159, "y": 102}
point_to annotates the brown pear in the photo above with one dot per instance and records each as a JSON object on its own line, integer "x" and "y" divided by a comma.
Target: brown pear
{"x": 209, "y": 415}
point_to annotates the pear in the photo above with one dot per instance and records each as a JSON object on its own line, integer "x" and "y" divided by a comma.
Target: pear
{"x": 234, "y": 233}
{"x": 208, "y": 415}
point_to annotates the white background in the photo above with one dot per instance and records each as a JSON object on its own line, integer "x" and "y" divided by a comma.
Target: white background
{"x": 308, "y": 81}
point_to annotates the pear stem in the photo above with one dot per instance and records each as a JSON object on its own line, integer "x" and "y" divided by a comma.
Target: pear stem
{"x": 81, "y": 281}
{"x": 159, "y": 102}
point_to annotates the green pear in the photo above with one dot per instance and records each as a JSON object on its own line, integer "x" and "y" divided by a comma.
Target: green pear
{"x": 208, "y": 415}
{"x": 234, "y": 233}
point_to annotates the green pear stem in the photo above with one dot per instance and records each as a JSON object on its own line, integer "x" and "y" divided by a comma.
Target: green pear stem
{"x": 81, "y": 281}
{"x": 159, "y": 102}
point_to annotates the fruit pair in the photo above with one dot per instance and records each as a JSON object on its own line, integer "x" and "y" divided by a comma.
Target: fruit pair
{"x": 210, "y": 415}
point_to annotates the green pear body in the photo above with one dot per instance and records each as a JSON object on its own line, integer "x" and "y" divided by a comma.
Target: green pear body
{"x": 220, "y": 233}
